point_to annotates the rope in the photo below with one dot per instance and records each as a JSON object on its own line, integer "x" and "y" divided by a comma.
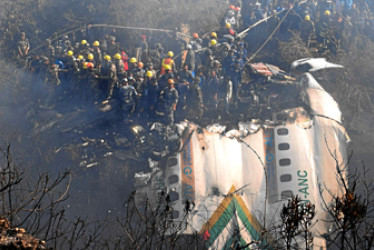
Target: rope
{"x": 109, "y": 26}
{"x": 269, "y": 38}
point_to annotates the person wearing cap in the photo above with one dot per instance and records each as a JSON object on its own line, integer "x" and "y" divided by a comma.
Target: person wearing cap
{"x": 127, "y": 96}
{"x": 168, "y": 102}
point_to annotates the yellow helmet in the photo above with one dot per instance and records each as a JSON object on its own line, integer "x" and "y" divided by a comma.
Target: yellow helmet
{"x": 327, "y": 12}
{"x": 167, "y": 67}
{"x": 213, "y": 34}
{"x": 228, "y": 25}
{"x": 85, "y": 65}
{"x": 307, "y": 18}
{"x": 96, "y": 43}
{"x": 213, "y": 42}
{"x": 149, "y": 74}
{"x": 70, "y": 53}
{"x": 170, "y": 54}
{"x": 90, "y": 56}
{"x": 107, "y": 57}
{"x": 117, "y": 56}
{"x": 133, "y": 60}
{"x": 80, "y": 57}
{"x": 83, "y": 42}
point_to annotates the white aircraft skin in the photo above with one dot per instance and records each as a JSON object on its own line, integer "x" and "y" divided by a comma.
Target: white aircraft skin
{"x": 242, "y": 178}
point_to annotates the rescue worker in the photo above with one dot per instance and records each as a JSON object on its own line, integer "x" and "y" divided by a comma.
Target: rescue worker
{"x": 83, "y": 48}
{"x": 133, "y": 64}
{"x": 168, "y": 102}
{"x": 195, "y": 106}
{"x": 190, "y": 58}
{"x": 185, "y": 74}
{"x": 143, "y": 45}
{"x": 50, "y": 50}
{"x": 165, "y": 77}
{"x": 127, "y": 96}
{"x": 210, "y": 91}
{"x": 71, "y": 67}
{"x": 168, "y": 61}
{"x": 119, "y": 66}
{"x": 113, "y": 47}
{"x": 152, "y": 98}
{"x": 307, "y": 30}
{"x": 23, "y": 49}
{"x": 97, "y": 54}
{"x": 182, "y": 87}
{"x": 108, "y": 77}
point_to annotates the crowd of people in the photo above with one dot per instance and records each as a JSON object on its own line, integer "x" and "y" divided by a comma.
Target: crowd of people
{"x": 203, "y": 78}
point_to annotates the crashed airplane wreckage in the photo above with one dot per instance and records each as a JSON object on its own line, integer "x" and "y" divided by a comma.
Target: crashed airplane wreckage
{"x": 237, "y": 181}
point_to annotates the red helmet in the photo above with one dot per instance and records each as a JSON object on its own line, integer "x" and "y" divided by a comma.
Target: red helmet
{"x": 237, "y": 8}
{"x": 143, "y": 37}
{"x": 232, "y": 32}
{"x": 232, "y": 7}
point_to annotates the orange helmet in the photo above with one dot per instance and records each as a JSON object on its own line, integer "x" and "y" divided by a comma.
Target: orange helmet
{"x": 140, "y": 65}
{"x": 170, "y": 81}
{"x": 232, "y": 7}
{"x": 195, "y": 35}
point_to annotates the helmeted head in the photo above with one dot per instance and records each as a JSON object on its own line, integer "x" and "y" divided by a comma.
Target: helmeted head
{"x": 90, "y": 56}
{"x": 307, "y": 18}
{"x": 195, "y": 35}
{"x": 213, "y": 34}
{"x": 149, "y": 74}
{"x": 70, "y": 53}
{"x": 133, "y": 60}
{"x": 84, "y": 42}
{"x": 170, "y": 54}
{"x": 107, "y": 58}
{"x": 213, "y": 42}
{"x": 96, "y": 44}
{"x": 327, "y": 13}
{"x": 170, "y": 82}
{"x": 140, "y": 65}
{"x": 117, "y": 56}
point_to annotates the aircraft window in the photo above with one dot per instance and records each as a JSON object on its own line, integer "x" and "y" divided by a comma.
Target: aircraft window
{"x": 174, "y": 196}
{"x": 282, "y": 131}
{"x": 286, "y": 178}
{"x": 173, "y": 179}
{"x": 284, "y": 146}
{"x": 287, "y": 194}
{"x": 172, "y": 162}
{"x": 175, "y": 214}
{"x": 284, "y": 162}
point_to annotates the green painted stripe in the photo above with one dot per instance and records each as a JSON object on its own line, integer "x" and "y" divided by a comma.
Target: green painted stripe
{"x": 222, "y": 222}
{"x": 228, "y": 243}
{"x": 252, "y": 231}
